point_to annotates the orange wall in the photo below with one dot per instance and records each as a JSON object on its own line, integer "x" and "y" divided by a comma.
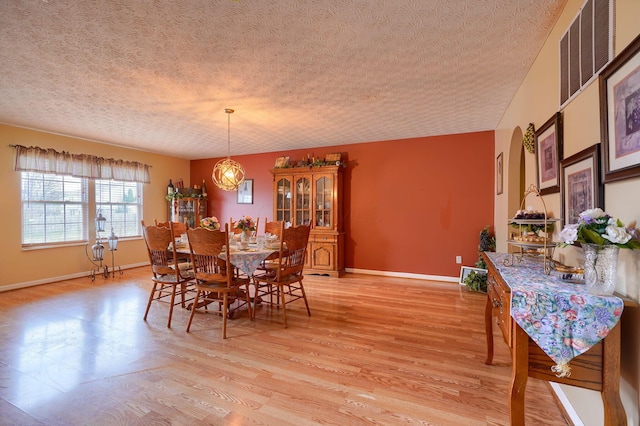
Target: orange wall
{"x": 411, "y": 205}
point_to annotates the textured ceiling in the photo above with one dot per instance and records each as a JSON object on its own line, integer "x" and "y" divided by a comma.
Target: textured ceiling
{"x": 157, "y": 75}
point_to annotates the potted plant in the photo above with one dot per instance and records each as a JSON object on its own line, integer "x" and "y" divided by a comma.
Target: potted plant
{"x": 477, "y": 280}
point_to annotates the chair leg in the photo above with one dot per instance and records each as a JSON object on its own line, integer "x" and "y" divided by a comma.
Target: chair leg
{"x": 153, "y": 291}
{"x": 304, "y": 296}
{"x": 173, "y": 300}
{"x": 183, "y": 290}
{"x": 248, "y": 299}
{"x": 193, "y": 308}
{"x": 225, "y": 308}
{"x": 284, "y": 306}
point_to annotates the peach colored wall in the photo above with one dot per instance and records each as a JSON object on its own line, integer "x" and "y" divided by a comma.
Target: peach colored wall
{"x": 410, "y": 206}
{"x": 47, "y": 264}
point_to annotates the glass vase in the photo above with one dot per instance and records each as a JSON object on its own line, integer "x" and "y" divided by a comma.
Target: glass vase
{"x": 246, "y": 235}
{"x": 600, "y": 268}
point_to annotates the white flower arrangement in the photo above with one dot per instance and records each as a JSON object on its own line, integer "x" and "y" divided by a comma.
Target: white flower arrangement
{"x": 597, "y": 227}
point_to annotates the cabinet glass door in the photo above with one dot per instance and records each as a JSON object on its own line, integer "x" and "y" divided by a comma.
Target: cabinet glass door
{"x": 283, "y": 200}
{"x": 323, "y": 203}
{"x": 302, "y": 212}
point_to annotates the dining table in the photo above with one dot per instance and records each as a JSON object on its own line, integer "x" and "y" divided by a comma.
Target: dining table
{"x": 246, "y": 260}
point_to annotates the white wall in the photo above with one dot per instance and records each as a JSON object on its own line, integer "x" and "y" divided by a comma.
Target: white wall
{"x": 536, "y": 101}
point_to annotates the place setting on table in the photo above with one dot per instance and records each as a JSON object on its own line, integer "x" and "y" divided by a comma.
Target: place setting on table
{"x": 247, "y": 250}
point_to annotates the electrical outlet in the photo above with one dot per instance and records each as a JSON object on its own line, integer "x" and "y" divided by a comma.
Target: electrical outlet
{"x": 459, "y": 260}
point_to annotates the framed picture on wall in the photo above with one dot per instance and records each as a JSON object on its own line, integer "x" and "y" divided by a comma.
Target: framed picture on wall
{"x": 499, "y": 168}
{"x": 548, "y": 146}
{"x": 245, "y": 192}
{"x": 581, "y": 185}
{"x": 620, "y": 114}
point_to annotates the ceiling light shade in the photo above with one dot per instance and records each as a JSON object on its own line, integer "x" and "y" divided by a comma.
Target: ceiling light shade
{"x": 228, "y": 174}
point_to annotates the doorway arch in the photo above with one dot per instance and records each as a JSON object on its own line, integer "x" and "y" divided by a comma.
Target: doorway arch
{"x": 515, "y": 178}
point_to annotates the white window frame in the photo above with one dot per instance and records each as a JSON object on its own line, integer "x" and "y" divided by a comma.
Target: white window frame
{"x": 57, "y": 228}
{"x": 123, "y": 215}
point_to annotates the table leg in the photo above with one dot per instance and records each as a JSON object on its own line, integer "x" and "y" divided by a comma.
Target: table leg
{"x": 614, "y": 413}
{"x": 519, "y": 374}
{"x": 488, "y": 324}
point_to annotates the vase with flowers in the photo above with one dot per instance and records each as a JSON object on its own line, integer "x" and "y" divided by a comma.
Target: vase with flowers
{"x": 210, "y": 223}
{"x": 247, "y": 225}
{"x": 601, "y": 236}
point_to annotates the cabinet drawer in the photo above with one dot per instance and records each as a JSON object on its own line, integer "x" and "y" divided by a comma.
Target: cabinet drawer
{"x": 500, "y": 298}
{"x": 320, "y": 238}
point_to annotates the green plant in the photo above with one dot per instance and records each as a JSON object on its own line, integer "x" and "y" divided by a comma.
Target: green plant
{"x": 175, "y": 196}
{"x": 478, "y": 281}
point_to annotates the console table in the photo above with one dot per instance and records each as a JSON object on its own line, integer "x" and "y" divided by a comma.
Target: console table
{"x": 576, "y": 329}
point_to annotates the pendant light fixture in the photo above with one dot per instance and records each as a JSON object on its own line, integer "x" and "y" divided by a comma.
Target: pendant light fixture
{"x": 228, "y": 174}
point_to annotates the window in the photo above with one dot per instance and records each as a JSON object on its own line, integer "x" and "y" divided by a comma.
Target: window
{"x": 121, "y": 204}
{"x": 585, "y": 48}
{"x": 54, "y": 208}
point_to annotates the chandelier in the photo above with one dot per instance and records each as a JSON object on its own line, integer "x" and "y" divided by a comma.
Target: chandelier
{"x": 228, "y": 174}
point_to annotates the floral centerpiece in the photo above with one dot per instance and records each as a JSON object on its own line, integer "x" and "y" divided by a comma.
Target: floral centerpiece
{"x": 246, "y": 224}
{"x": 210, "y": 223}
{"x": 597, "y": 227}
{"x": 601, "y": 237}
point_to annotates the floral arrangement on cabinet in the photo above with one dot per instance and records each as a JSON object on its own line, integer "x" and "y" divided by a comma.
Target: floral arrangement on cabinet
{"x": 597, "y": 227}
{"x": 210, "y": 223}
{"x": 246, "y": 224}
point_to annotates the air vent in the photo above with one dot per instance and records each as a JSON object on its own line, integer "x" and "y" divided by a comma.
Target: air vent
{"x": 586, "y": 48}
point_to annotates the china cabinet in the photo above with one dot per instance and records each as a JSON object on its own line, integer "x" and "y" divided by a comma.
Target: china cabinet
{"x": 313, "y": 196}
{"x": 187, "y": 209}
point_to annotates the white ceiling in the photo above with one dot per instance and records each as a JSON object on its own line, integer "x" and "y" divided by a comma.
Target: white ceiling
{"x": 157, "y": 75}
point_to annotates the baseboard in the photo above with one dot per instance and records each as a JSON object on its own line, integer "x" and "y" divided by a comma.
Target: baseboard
{"x": 563, "y": 402}
{"x": 61, "y": 278}
{"x": 403, "y": 275}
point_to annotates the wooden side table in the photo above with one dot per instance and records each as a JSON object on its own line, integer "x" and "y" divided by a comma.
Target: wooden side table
{"x": 597, "y": 369}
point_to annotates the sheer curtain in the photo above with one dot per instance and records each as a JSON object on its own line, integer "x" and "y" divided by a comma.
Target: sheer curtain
{"x": 36, "y": 159}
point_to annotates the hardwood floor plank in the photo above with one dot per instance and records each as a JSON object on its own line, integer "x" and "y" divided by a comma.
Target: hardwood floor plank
{"x": 375, "y": 350}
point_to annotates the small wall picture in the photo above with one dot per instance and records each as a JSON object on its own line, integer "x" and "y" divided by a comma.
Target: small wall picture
{"x": 245, "y": 192}
{"x": 548, "y": 154}
{"x": 499, "y": 174}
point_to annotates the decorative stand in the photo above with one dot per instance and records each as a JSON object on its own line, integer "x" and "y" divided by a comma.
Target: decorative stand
{"x": 97, "y": 251}
{"x": 536, "y": 247}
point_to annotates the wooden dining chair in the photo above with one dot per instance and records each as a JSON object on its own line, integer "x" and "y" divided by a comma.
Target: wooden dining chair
{"x": 273, "y": 227}
{"x": 179, "y": 228}
{"x": 168, "y": 279}
{"x": 285, "y": 280}
{"x": 215, "y": 279}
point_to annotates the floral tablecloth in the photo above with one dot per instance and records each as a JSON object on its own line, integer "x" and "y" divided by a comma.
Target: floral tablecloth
{"x": 249, "y": 260}
{"x": 562, "y": 318}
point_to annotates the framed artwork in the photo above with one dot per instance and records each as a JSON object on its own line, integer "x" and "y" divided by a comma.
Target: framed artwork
{"x": 548, "y": 148}
{"x": 620, "y": 115}
{"x": 245, "y": 192}
{"x": 499, "y": 174}
{"x": 333, "y": 157}
{"x": 581, "y": 185}
{"x": 282, "y": 162}
{"x": 466, "y": 270}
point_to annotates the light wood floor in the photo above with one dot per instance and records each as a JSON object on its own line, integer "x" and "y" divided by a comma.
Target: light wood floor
{"x": 376, "y": 350}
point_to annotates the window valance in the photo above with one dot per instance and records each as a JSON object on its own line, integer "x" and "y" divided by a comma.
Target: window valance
{"x": 36, "y": 159}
